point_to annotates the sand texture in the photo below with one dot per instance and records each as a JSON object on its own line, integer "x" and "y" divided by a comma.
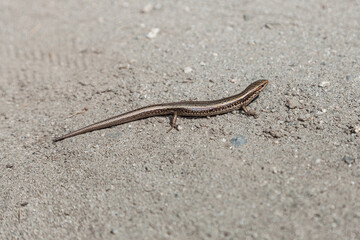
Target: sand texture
{"x": 291, "y": 173}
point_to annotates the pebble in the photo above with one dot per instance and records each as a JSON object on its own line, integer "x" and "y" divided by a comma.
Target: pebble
{"x": 348, "y": 77}
{"x": 187, "y": 70}
{"x": 348, "y": 160}
{"x": 153, "y": 33}
{"x": 355, "y": 129}
{"x": 275, "y": 133}
{"x": 124, "y": 66}
{"x": 9, "y": 165}
{"x": 322, "y": 111}
{"x": 324, "y": 84}
{"x": 268, "y": 26}
{"x": 304, "y": 118}
{"x": 293, "y": 103}
{"x": 238, "y": 141}
{"x": 147, "y": 8}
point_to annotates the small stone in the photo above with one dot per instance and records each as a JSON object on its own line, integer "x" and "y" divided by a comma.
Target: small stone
{"x": 324, "y": 84}
{"x": 293, "y": 103}
{"x": 268, "y": 26}
{"x": 246, "y": 17}
{"x": 348, "y": 77}
{"x": 318, "y": 161}
{"x": 9, "y": 165}
{"x": 202, "y": 64}
{"x": 355, "y": 129}
{"x": 113, "y": 231}
{"x": 147, "y": 8}
{"x": 23, "y": 204}
{"x": 304, "y": 118}
{"x": 275, "y": 133}
{"x": 348, "y": 160}
{"x": 238, "y": 141}
{"x": 124, "y": 66}
{"x": 153, "y": 33}
{"x": 187, "y": 70}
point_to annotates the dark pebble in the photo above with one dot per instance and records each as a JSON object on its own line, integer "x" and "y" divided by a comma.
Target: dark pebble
{"x": 246, "y": 17}
{"x": 9, "y": 165}
{"x": 348, "y": 160}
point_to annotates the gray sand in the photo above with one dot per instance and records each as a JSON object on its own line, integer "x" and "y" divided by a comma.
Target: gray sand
{"x": 67, "y": 64}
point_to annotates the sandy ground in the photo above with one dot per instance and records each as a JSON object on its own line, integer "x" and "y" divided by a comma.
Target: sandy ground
{"x": 67, "y": 64}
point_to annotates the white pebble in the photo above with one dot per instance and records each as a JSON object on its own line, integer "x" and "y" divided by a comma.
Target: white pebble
{"x": 324, "y": 84}
{"x": 153, "y": 33}
{"x": 148, "y": 8}
{"x": 187, "y": 70}
{"x": 356, "y": 129}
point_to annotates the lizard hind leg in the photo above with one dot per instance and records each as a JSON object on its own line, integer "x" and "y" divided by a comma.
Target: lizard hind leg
{"x": 173, "y": 123}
